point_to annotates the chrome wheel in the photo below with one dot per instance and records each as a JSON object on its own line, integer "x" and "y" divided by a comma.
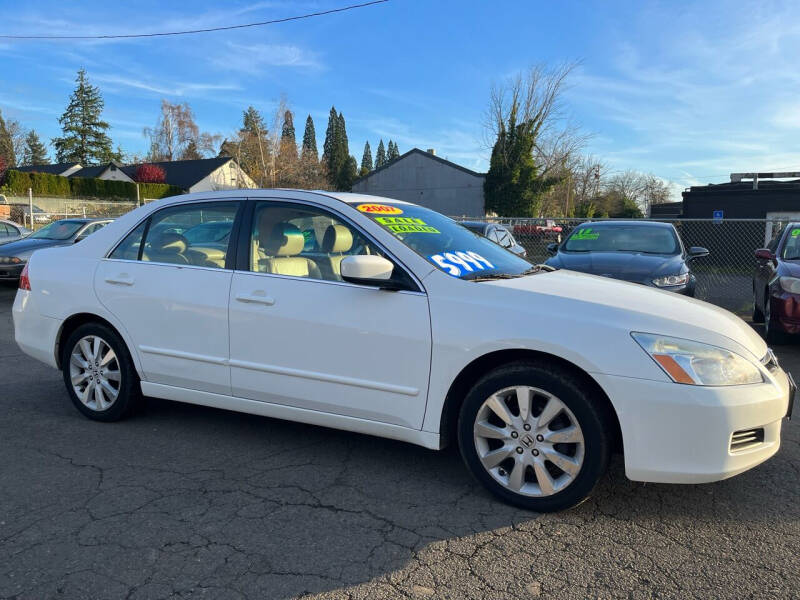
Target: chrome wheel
{"x": 95, "y": 373}
{"x": 529, "y": 441}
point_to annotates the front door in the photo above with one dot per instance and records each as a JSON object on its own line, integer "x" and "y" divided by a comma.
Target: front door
{"x": 171, "y": 295}
{"x": 303, "y": 337}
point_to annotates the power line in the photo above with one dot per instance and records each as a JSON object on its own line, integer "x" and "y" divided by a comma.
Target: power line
{"x": 191, "y": 31}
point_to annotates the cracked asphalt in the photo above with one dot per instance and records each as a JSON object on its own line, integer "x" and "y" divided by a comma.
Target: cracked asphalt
{"x": 191, "y": 502}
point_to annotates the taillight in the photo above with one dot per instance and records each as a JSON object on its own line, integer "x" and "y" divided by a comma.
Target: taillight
{"x": 24, "y": 282}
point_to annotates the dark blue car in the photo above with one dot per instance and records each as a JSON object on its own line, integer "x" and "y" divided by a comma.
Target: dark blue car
{"x": 644, "y": 252}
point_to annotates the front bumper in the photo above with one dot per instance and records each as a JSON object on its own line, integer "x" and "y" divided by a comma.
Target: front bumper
{"x": 676, "y": 433}
{"x": 785, "y": 309}
{"x": 11, "y": 272}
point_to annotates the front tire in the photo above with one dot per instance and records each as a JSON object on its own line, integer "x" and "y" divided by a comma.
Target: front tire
{"x": 532, "y": 435}
{"x": 99, "y": 373}
{"x": 772, "y": 332}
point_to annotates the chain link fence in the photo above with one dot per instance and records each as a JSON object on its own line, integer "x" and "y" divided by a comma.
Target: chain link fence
{"x": 724, "y": 277}
{"x": 47, "y": 209}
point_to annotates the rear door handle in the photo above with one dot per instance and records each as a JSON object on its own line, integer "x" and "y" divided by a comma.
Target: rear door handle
{"x": 120, "y": 280}
{"x": 258, "y": 297}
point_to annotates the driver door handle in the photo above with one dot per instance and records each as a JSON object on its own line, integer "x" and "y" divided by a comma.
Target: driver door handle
{"x": 122, "y": 279}
{"x": 258, "y": 297}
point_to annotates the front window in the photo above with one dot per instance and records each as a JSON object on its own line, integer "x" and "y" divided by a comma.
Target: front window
{"x": 791, "y": 249}
{"x": 303, "y": 241}
{"x": 444, "y": 243}
{"x": 58, "y": 230}
{"x": 615, "y": 237}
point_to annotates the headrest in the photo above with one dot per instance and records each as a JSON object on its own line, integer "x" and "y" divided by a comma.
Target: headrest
{"x": 170, "y": 243}
{"x": 285, "y": 239}
{"x": 337, "y": 238}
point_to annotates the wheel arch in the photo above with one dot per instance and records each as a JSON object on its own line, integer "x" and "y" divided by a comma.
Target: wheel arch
{"x": 74, "y": 321}
{"x": 476, "y": 369}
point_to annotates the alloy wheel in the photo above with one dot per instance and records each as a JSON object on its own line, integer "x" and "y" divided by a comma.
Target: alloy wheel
{"x": 529, "y": 441}
{"x": 95, "y": 373}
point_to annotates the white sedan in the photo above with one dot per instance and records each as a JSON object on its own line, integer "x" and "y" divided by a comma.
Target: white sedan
{"x": 386, "y": 318}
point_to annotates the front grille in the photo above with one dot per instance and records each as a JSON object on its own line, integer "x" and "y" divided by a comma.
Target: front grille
{"x": 746, "y": 439}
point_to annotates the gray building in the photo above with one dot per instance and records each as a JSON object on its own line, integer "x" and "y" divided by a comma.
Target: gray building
{"x": 425, "y": 179}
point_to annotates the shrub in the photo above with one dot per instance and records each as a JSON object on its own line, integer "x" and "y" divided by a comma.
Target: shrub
{"x": 45, "y": 184}
{"x": 149, "y": 174}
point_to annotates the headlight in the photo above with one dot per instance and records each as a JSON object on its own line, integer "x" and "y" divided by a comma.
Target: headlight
{"x": 790, "y": 284}
{"x": 13, "y": 260}
{"x": 694, "y": 363}
{"x": 671, "y": 280}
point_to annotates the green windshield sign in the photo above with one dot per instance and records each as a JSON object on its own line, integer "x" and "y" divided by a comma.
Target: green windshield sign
{"x": 586, "y": 234}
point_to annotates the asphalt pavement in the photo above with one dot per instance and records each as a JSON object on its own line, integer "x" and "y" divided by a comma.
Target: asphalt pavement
{"x": 190, "y": 502}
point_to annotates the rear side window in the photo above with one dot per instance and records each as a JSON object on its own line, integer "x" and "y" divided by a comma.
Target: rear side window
{"x": 193, "y": 235}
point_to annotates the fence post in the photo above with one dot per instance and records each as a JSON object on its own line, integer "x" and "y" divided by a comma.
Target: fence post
{"x": 30, "y": 205}
{"x": 138, "y": 202}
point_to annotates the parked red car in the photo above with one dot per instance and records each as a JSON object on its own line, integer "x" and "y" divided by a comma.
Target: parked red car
{"x": 543, "y": 228}
{"x": 776, "y": 285}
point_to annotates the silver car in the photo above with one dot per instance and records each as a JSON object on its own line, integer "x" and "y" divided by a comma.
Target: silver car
{"x": 11, "y": 232}
{"x": 496, "y": 233}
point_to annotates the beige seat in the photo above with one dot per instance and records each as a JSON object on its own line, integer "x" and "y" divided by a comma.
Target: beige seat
{"x": 337, "y": 240}
{"x": 168, "y": 248}
{"x": 280, "y": 249}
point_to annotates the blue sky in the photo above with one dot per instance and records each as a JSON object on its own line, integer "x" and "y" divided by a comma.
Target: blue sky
{"x": 688, "y": 91}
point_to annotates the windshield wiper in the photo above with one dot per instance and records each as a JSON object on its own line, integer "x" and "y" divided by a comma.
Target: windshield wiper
{"x": 492, "y": 276}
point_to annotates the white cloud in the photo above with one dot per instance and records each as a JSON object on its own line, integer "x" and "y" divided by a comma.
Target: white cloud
{"x": 254, "y": 59}
{"x": 171, "y": 89}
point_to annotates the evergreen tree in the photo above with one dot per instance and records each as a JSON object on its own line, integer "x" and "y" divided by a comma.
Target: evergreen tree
{"x": 366, "y": 159}
{"x": 309, "y": 141}
{"x": 288, "y": 142}
{"x": 392, "y": 152}
{"x": 329, "y": 147}
{"x": 84, "y": 138}
{"x": 35, "y": 153}
{"x": 253, "y": 122}
{"x": 7, "y": 153}
{"x": 512, "y": 185}
{"x": 346, "y": 165}
{"x": 380, "y": 156}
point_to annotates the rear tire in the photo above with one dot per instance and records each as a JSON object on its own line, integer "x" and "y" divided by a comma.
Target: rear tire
{"x": 99, "y": 373}
{"x": 545, "y": 458}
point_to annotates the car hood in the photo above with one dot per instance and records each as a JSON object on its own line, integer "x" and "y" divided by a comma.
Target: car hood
{"x": 584, "y": 300}
{"x": 789, "y": 268}
{"x": 26, "y": 246}
{"x": 629, "y": 266}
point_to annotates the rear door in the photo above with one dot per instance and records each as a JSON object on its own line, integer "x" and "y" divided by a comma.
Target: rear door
{"x": 172, "y": 296}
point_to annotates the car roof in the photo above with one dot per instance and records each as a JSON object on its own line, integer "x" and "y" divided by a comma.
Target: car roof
{"x": 474, "y": 223}
{"x": 629, "y": 223}
{"x": 286, "y": 193}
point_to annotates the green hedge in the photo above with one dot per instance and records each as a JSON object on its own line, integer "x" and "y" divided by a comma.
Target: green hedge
{"x": 16, "y": 183}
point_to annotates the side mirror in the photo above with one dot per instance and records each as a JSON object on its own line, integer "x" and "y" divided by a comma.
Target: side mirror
{"x": 552, "y": 249}
{"x": 366, "y": 269}
{"x": 697, "y": 251}
{"x": 764, "y": 254}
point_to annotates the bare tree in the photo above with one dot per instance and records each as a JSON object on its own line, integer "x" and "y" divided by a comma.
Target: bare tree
{"x": 176, "y": 136}
{"x": 17, "y": 133}
{"x": 536, "y": 97}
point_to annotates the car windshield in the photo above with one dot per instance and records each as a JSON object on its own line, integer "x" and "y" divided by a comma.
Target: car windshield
{"x": 606, "y": 237}
{"x": 59, "y": 230}
{"x": 446, "y": 244}
{"x": 791, "y": 249}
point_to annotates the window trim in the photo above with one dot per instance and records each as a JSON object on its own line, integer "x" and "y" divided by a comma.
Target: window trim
{"x": 243, "y": 256}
